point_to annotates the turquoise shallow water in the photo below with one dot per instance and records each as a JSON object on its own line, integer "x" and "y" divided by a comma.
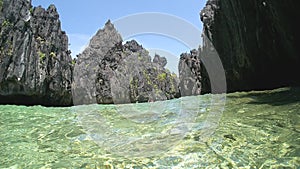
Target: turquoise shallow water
{"x": 256, "y": 130}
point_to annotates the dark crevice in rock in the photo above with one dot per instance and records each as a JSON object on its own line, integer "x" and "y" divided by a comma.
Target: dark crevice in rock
{"x": 256, "y": 40}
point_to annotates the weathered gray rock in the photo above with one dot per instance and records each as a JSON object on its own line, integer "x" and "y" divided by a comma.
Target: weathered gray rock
{"x": 109, "y": 72}
{"x": 87, "y": 65}
{"x": 190, "y": 73}
{"x": 35, "y": 63}
{"x": 257, "y": 41}
{"x": 127, "y": 75}
{"x": 162, "y": 61}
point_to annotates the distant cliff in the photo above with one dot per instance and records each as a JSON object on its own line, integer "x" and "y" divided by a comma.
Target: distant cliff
{"x": 109, "y": 72}
{"x": 257, "y": 41}
{"x": 190, "y": 73}
{"x": 35, "y": 63}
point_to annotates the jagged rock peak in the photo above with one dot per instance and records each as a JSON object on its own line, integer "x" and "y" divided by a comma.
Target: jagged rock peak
{"x": 35, "y": 63}
{"x": 162, "y": 61}
{"x": 109, "y": 72}
{"x": 109, "y": 25}
{"x": 127, "y": 75}
{"x": 105, "y": 39}
{"x": 133, "y": 46}
{"x": 52, "y": 11}
{"x": 190, "y": 73}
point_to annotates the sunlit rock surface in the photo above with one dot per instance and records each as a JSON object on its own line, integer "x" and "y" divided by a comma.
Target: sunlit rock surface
{"x": 109, "y": 72}
{"x": 35, "y": 63}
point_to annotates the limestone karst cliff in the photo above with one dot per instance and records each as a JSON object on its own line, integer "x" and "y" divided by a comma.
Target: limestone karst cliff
{"x": 109, "y": 72}
{"x": 190, "y": 73}
{"x": 87, "y": 65}
{"x": 127, "y": 75}
{"x": 35, "y": 63}
{"x": 257, "y": 41}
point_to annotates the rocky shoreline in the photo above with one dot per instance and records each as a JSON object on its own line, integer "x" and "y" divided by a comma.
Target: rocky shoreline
{"x": 256, "y": 42}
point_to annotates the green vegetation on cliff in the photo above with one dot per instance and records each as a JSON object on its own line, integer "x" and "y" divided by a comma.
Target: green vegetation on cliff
{"x": 1, "y": 4}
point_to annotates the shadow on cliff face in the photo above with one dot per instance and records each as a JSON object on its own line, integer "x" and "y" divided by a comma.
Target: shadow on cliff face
{"x": 279, "y": 97}
{"x": 33, "y": 101}
{"x": 257, "y": 42}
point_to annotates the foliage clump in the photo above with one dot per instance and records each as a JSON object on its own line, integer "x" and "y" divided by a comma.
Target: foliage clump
{"x": 162, "y": 77}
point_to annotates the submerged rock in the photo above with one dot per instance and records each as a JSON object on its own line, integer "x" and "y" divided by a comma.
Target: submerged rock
{"x": 35, "y": 63}
{"x": 257, "y": 41}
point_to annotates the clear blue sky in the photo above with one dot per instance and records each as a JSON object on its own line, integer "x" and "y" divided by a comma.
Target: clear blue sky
{"x": 82, "y": 18}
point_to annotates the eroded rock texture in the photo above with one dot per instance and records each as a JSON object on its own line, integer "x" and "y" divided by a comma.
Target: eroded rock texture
{"x": 35, "y": 63}
{"x": 127, "y": 75}
{"x": 190, "y": 73}
{"x": 87, "y": 65}
{"x": 257, "y": 41}
{"x": 110, "y": 72}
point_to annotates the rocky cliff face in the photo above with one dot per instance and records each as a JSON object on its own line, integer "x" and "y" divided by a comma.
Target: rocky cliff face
{"x": 87, "y": 65}
{"x": 190, "y": 73}
{"x": 127, "y": 75}
{"x": 35, "y": 64}
{"x": 257, "y": 41}
{"x": 110, "y": 72}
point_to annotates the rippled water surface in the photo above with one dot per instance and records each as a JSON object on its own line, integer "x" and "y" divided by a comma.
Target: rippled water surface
{"x": 256, "y": 130}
